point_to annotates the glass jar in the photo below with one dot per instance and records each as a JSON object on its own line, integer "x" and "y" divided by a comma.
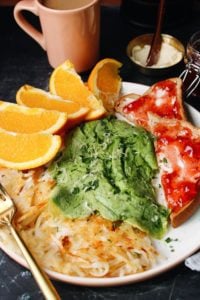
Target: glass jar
{"x": 191, "y": 74}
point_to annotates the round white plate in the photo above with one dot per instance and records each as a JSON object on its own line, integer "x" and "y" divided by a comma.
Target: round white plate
{"x": 182, "y": 241}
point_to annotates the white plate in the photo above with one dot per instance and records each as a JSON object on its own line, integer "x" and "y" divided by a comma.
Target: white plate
{"x": 185, "y": 239}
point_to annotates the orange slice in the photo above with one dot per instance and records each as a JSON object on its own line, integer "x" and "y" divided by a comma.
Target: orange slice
{"x": 16, "y": 118}
{"x": 23, "y": 151}
{"x": 104, "y": 81}
{"x": 34, "y": 97}
{"x": 66, "y": 83}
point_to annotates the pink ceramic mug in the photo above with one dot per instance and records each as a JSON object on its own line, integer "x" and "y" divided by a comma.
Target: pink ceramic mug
{"x": 70, "y": 32}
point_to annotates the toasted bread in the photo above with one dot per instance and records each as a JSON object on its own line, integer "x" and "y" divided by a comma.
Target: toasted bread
{"x": 181, "y": 141}
{"x": 179, "y": 94}
{"x": 163, "y": 98}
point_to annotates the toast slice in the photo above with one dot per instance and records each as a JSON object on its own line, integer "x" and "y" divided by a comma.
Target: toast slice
{"x": 178, "y": 153}
{"x": 163, "y": 98}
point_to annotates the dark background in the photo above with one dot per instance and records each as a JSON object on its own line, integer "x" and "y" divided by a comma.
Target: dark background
{"x": 22, "y": 61}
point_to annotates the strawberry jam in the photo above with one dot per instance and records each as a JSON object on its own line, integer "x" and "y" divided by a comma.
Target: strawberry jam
{"x": 162, "y": 100}
{"x": 178, "y": 193}
{"x": 181, "y": 171}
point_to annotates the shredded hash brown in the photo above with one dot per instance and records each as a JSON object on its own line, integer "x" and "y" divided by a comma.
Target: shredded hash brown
{"x": 92, "y": 247}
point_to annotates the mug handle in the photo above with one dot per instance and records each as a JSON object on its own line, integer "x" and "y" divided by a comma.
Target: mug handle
{"x": 30, "y": 6}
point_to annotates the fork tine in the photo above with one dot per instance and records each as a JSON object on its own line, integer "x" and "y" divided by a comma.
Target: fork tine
{"x": 7, "y": 207}
{"x": 3, "y": 191}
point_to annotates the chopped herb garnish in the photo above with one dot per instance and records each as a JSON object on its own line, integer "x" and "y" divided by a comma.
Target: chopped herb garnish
{"x": 169, "y": 240}
{"x": 164, "y": 160}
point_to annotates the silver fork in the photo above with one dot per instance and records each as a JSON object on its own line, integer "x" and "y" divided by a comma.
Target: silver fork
{"x": 7, "y": 211}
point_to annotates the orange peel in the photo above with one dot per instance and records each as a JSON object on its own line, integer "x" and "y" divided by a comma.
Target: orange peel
{"x": 23, "y": 151}
{"x": 16, "y": 118}
{"x": 105, "y": 82}
{"x": 33, "y": 97}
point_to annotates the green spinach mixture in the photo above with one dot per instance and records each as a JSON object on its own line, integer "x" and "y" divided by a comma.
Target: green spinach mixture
{"x": 107, "y": 167}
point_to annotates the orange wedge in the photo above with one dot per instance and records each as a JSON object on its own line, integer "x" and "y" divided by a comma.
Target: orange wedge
{"x": 104, "y": 81}
{"x": 23, "y": 151}
{"x": 34, "y": 97}
{"x": 16, "y": 118}
{"x": 66, "y": 83}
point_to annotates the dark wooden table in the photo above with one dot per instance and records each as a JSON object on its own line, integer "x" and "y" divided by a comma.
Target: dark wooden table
{"x": 23, "y": 61}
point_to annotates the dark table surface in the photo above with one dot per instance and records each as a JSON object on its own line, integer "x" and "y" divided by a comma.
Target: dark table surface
{"x": 23, "y": 61}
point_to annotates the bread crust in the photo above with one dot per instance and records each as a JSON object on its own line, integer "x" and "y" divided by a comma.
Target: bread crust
{"x": 185, "y": 213}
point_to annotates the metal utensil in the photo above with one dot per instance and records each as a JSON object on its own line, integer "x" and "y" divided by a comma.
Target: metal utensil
{"x": 7, "y": 211}
{"x": 157, "y": 38}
